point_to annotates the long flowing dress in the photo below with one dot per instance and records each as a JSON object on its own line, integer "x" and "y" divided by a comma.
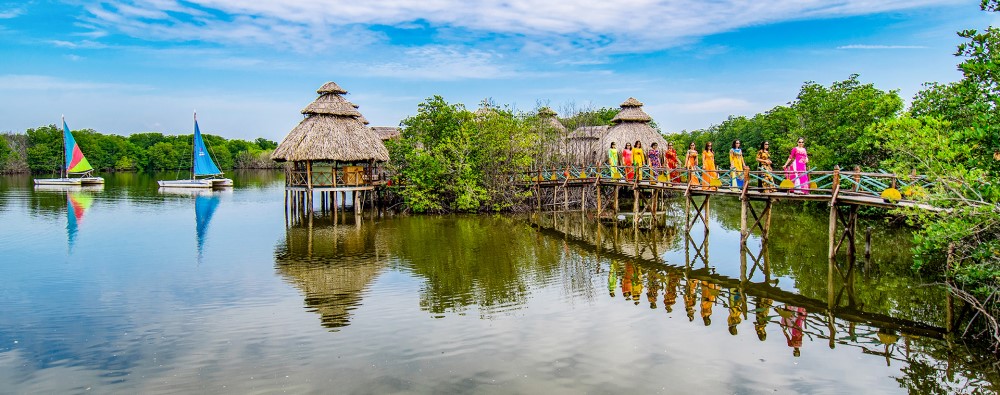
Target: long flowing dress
{"x": 627, "y": 162}
{"x": 797, "y": 171}
{"x": 654, "y": 161}
{"x": 763, "y": 158}
{"x": 613, "y": 163}
{"x": 736, "y": 162}
{"x": 639, "y": 160}
{"x": 691, "y": 163}
{"x": 670, "y": 156}
{"x": 711, "y": 178}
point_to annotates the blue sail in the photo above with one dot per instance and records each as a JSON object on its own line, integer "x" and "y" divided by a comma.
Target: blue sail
{"x": 203, "y": 163}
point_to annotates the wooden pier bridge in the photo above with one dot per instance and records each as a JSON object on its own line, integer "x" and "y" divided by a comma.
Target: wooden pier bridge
{"x": 844, "y": 191}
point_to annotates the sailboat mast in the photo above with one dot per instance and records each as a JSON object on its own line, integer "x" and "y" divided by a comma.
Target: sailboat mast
{"x": 194, "y": 139}
{"x": 63, "y": 171}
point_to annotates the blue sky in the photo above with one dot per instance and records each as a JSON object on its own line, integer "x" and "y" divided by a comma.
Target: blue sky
{"x": 250, "y": 66}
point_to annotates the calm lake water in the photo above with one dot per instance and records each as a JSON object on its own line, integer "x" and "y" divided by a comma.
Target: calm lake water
{"x": 129, "y": 290}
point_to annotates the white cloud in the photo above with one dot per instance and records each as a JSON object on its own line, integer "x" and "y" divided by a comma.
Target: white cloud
{"x": 440, "y": 63}
{"x": 866, "y": 46}
{"x": 11, "y": 13}
{"x": 612, "y": 27}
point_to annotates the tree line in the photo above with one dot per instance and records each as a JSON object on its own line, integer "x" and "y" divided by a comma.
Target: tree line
{"x": 39, "y": 150}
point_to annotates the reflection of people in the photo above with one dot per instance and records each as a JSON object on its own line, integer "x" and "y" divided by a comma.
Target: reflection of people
{"x": 636, "y": 284}
{"x": 652, "y": 288}
{"x": 736, "y": 310}
{"x": 799, "y": 160}
{"x": 709, "y": 292}
{"x": 793, "y": 325}
{"x": 690, "y": 295}
{"x": 627, "y": 281}
{"x": 612, "y": 278}
{"x": 670, "y": 292}
{"x": 762, "y": 317}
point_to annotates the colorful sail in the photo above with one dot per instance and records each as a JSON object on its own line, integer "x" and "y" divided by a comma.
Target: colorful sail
{"x": 203, "y": 163}
{"x": 75, "y": 161}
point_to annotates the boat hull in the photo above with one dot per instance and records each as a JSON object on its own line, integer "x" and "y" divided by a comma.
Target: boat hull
{"x": 203, "y": 183}
{"x": 58, "y": 181}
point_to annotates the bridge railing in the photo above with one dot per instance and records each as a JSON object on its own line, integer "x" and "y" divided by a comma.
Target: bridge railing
{"x": 820, "y": 183}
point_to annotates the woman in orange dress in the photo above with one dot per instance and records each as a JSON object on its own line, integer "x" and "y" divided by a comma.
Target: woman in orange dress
{"x": 711, "y": 178}
{"x": 670, "y": 157}
{"x": 691, "y": 163}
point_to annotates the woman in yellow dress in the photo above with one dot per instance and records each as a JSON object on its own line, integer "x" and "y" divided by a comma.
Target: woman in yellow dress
{"x": 638, "y": 159}
{"x": 711, "y": 178}
{"x": 737, "y": 164}
{"x": 691, "y": 163}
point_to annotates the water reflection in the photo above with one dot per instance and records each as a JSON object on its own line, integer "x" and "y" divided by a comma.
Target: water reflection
{"x": 206, "y": 201}
{"x": 78, "y": 199}
{"x": 332, "y": 262}
{"x": 905, "y": 326}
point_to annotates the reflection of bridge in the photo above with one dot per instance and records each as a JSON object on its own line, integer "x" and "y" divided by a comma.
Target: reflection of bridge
{"x": 634, "y": 245}
{"x": 844, "y": 191}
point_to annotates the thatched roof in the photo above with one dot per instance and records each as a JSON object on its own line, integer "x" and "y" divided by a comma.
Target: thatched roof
{"x": 386, "y": 132}
{"x": 333, "y": 130}
{"x": 630, "y": 125}
{"x": 589, "y": 132}
{"x": 551, "y": 119}
{"x": 631, "y": 111}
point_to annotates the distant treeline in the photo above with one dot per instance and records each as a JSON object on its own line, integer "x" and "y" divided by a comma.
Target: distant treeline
{"x": 40, "y": 150}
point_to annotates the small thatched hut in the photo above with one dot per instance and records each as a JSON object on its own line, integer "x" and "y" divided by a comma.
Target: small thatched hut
{"x": 386, "y": 132}
{"x": 584, "y": 144}
{"x": 631, "y": 125}
{"x": 331, "y": 148}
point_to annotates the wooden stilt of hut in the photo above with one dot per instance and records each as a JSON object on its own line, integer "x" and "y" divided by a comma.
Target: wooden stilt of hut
{"x": 331, "y": 151}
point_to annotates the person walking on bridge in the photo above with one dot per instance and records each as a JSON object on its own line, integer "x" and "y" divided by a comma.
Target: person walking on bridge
{"x": 613, "y": 161}
{"x": 764, "y": 164}
{"x": 638, "y": 158}
{"x": 737, "y": 164}
{"x": 627, "y": 161}
{"x": 670, "y": 157}
{"x": 691, "y": 163}
{"x": 798, "y": 172}
{"x": 711, "y": 178}
{"x": 654, "y": 160}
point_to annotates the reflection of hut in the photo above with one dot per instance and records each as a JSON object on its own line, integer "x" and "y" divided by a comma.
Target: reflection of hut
{"x": 583, "y": 144}
{"x": 386, "y": 132}
{"x": 331, "y": 149}
{"x": 630, "y": 125}
{"x": 332, "y": 266}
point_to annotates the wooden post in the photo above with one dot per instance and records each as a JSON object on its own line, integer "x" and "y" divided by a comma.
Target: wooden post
{"x": 566, "y": 197}
{"x": 833, "y": 233}
{"x": 635, "y": 207}
{"x": 616, "y": 199}
{"x": 852, "y": 222}
{"x": 597, "y": 191}
{"x": 744, "y": 232}
{"x": 654, "y": 209}
{"x": 583, "y": 198}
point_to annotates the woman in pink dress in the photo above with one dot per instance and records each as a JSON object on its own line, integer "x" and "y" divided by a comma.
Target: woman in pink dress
{"x": 797, "y": 172}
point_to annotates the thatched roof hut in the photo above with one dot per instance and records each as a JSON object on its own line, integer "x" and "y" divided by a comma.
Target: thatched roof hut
{"x": 387, "y": 132}
{"x": 333, "y": 130}
{"x": 632, "y": 124}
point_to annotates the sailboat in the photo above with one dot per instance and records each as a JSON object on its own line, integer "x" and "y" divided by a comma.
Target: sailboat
{"x": 202, "y": 166}
{"x": 75, "y": 164}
